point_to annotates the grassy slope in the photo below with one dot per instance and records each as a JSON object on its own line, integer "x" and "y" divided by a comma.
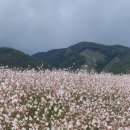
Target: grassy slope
{"x": 14, "y": 58}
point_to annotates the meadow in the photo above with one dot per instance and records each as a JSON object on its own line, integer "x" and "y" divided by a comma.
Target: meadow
{"x": 63, "y": 100}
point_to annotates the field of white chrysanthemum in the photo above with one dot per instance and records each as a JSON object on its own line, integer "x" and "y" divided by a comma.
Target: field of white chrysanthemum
{"x": 59, "y": 99}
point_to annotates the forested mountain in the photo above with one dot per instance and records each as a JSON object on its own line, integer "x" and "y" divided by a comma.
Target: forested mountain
{"x": 88, "y": 55}
{"x": 84, "y": 55}
{"x": 14, "y": 58}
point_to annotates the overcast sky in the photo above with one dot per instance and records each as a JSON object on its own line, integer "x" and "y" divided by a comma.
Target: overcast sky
{"x": 39, "y": 25}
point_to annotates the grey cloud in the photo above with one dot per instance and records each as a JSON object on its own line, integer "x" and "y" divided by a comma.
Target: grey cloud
{"x": 40, "y": 25}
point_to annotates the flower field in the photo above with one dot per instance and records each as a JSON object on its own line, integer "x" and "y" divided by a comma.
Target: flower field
{"x": 63, "y": 100}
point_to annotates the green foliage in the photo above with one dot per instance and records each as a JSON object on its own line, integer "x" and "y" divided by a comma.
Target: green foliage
{"x": 71, "y": 57}
{"x": 115, "y": 58}
{"x": 13, "y": 58}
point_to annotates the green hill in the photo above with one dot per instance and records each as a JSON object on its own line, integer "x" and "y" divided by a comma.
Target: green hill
{"x": 15, "y": 58}
{"x": 88, "y": 55}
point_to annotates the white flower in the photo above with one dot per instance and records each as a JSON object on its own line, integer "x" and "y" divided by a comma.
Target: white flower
{"x": 1, "y": 117}
{"x": 70, "y": 126}
{"x": 18, "y": 116}
{"x": 47, "y": 123}
{"x": 55, "y": 109}
{"x": 78, "y": 123}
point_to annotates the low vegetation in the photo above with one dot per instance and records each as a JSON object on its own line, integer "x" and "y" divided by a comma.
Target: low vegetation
{"x": 60, "y": 99}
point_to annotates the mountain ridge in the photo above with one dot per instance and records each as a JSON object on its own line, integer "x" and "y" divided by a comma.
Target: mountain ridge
{"x": 83, "y": 55}
{"x": 108, "y": 58}
{"x": 14, "y": 58}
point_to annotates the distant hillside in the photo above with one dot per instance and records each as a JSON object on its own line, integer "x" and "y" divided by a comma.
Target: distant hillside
{"x": 15, "y": 58}
{"x": 89, "y": 55}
